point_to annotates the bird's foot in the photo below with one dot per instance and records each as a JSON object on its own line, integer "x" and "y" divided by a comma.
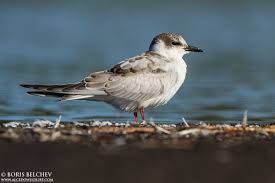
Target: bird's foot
{"x": 143, "y": 122}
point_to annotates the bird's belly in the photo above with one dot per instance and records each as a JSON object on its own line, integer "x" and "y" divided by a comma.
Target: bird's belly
{"x": 171, "y": 86}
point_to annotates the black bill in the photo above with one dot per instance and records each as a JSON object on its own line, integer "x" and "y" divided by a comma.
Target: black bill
{"x": 192, "y": 49}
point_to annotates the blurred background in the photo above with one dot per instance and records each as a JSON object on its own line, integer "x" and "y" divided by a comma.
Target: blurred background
{"x": 51, "y": 42}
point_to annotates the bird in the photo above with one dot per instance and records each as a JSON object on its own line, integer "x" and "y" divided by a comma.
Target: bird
{"x": 149, "y": 79}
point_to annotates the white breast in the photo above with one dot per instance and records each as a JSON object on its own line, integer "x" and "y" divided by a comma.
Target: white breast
{"x": 171, "y": 85}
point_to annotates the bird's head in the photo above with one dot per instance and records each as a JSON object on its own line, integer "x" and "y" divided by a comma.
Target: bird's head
{"x": 171, "y": 45}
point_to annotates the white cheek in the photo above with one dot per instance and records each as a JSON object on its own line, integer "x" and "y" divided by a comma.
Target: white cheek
{"x": 179, "y": 52}
{"x": 168, "y": 52}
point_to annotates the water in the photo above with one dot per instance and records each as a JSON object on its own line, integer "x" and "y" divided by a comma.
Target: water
{"x": 57, "y": 42}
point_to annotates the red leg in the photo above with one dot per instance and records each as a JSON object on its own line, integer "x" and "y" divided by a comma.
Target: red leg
{"x": 136, "y": 117}
{"x": 141, "y": 110}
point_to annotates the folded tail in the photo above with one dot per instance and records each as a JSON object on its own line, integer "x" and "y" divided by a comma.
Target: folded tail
{"x": 72, "y": 91}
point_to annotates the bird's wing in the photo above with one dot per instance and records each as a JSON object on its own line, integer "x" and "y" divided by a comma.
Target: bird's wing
{"x": 139, "y": 78}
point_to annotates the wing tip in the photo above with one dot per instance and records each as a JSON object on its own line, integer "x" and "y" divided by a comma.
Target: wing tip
{"x": 36, "y": 93}
{"x": 24, "y": 85}
{"x": 28, "y": 86}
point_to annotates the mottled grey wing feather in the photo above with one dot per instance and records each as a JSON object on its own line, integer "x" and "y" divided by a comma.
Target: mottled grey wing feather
{"x": 139, "y": 87}
{"x": 138, "y": 79}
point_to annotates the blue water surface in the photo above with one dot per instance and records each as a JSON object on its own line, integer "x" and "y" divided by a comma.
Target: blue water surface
{"x": 52, "y": 42}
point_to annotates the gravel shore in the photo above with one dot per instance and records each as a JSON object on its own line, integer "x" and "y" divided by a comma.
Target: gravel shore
{"x": 82, "y": 152}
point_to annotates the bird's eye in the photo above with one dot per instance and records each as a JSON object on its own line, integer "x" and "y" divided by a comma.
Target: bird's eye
{"x": 176, "y": 43}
